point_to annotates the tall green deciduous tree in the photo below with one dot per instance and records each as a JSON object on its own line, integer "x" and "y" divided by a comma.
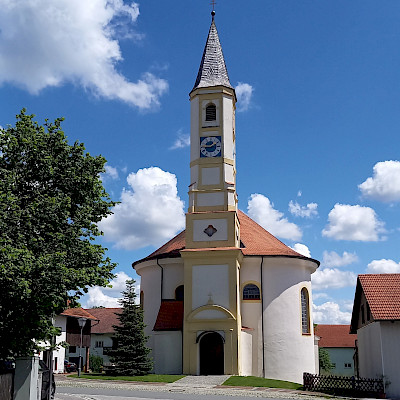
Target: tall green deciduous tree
{"x": 51, "y": 198}
{"x": 131, "y": 355}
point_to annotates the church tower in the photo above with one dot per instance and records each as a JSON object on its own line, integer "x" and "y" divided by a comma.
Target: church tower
{"x": 212, "y": 255}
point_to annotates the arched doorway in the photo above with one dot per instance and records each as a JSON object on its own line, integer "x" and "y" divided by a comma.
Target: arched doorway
{"x": 211, "y": 354}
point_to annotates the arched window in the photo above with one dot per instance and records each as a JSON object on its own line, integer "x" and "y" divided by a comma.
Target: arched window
{"x": 305, "y": 312}
{"x": 141, "y": 299}
{"x": 211, "y": 112}
{"x": 251, "y": 292}
{"x": 179, "y": 293}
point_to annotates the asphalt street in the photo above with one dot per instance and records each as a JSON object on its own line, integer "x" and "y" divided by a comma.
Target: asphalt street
{"x": 189, "y": 388}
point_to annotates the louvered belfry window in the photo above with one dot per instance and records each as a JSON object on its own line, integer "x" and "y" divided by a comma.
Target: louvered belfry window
{"x": 211, "y": 113}
{"x": 305, "y": 312}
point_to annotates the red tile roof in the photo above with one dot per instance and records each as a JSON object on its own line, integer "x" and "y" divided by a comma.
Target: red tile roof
{"x": 170, "y": 316}
{"x": 335, "y": 336}
{"x": 78, "y": 313}
{"x": 107, "y": 318}
{"x": 256, "y": 241}
{"x": 382, "y": 292}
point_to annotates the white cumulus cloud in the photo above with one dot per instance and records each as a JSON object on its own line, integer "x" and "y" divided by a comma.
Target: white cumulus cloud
{"x": 108, "y": 296}
{"x": 330, "y": 313}
{"x": 302, "y": 249}
{"x": 307, "y": 211}
{"x": 332, "y": 278}
{"x": 50, "y": 43}
{"x": 384, "y": 185}
{"x": 333, "y": 259}
{"x": 383, "y": 267}
{"x": 149, "y": 213}
{"x": 183, "y": 140}
{"x": 262, "y": 211}
{"x": 244, "y": 91}
{"x": 356, "y": 223}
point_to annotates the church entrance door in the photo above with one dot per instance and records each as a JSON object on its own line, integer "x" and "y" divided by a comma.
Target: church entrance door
{"x": 211, "y": 354}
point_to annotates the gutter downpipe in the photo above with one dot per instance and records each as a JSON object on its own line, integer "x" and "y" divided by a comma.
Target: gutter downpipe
{"x": 162, "y": 278}
{"x": 262, "y": 316}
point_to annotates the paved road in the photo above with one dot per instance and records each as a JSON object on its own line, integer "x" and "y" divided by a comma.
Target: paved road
{"x": 190, "y": 388}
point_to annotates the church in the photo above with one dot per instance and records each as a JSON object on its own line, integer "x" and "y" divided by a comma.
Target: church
{"x": 225, "y": 296}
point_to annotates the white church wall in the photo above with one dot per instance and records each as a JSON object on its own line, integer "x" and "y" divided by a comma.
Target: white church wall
{"x": 210, "y": 199}
{"x": 210, "y": 314}
{"x": 229, "y": 176}
{"x": 221, "y": 225}
{"x": 167, "y": 352}
{"x": 203, "y": 286}
{"x": 231, "y": 199}
{"x": 228, "y": 127}
{"x": 211, "y": 176}
{"x": 286, "y": 359}
{"x": 251, "y": 311}
{"x": 246, "y": 362}
{"x": 173, "y": 276}
{"x": 194, "y": 176}
{"x": 150, "y": 280}
{"x": 194, "y": 129}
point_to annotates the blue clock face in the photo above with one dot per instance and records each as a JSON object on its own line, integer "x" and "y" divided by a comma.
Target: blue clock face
{"x": 210, "y": 146}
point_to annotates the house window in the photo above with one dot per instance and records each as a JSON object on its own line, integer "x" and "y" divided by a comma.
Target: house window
{"x": 179, "y": 293}
{"x": 347, "y": 365}
{"x": 72, "y": 349}
{"x": 251, "y": 292}
{"x": 368, "y": 313}
{"x": 99, "y": 343}
{"x": 305, "y": 312}
{"x": 211, "y": 112}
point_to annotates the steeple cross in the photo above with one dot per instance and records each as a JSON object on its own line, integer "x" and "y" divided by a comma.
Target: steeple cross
{"x": 213, "y": 3}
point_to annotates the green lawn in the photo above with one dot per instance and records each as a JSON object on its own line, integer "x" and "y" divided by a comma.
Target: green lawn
{"x": 261, "y": 382}
{"x": 144, "y": 378}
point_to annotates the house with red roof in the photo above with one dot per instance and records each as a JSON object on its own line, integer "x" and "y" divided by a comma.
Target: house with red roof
{"x": 103, "y": 334}
{"x": 376, "y": 320}
{"x": 74, "y": 338}
{"x": 340, "y": 345}
{"x": 225, "y": 296}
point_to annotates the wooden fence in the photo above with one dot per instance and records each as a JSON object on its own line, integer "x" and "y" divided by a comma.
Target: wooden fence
{"x": 344, "y": 386}
{"x": 6, "y": 385}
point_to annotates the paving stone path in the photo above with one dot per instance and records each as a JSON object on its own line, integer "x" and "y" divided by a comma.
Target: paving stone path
{"x": 201, "y": 381}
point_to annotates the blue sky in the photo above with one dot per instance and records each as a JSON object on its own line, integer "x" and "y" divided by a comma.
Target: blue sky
{"x": 318, "y": 119}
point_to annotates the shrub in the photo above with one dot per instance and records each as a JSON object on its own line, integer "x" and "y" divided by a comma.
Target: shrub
{"x": 95, "y": 363}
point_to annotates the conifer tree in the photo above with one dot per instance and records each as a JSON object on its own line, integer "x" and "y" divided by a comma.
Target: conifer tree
{"x": 131, "y": 355}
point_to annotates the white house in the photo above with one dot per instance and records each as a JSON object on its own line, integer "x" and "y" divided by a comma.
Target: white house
{"x": 102, "y": 333}
{"x": 58, "y": 354}
{"x": 376, "y": 320}
{"x": 75, "y": 335}
{"x": 225, "y": 296}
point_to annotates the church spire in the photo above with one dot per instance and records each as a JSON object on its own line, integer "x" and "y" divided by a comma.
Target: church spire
{"x": 212, "y": 71}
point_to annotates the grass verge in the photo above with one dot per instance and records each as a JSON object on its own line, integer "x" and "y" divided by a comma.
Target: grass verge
{"x": 261, "y": 382}
{"x": 144, "y": 378}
